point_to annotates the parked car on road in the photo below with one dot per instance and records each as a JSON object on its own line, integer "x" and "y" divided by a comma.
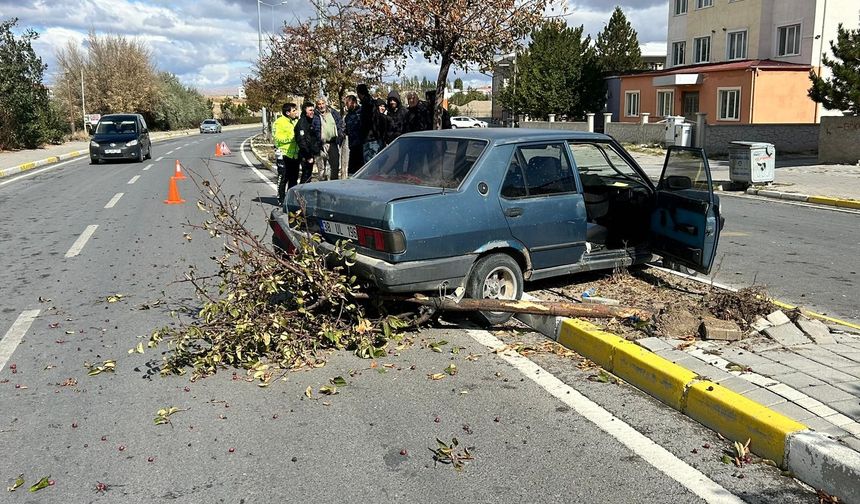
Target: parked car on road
{"x": 120, "y": 136}
{"x": 466, "y": 122}
{"x": 489, "y": 209}
{"x": 210, "y": 126}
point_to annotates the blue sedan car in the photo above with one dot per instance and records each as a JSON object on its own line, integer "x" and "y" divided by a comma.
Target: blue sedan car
{"x": 488, "y": 209}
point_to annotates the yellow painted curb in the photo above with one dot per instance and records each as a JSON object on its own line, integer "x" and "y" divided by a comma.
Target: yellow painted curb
{"x": 738, "y": 418}
{"x": 716, "y": 407}
{"x": 812, "y": 314}
{"x": 823, "y": 200}
{"x": 847, "y": 203}
{"x": 27, "y": 166}
{"x": 651, "y": 373}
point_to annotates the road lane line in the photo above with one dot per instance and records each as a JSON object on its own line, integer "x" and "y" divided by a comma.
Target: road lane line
{"x": 113, "y": 201}
{"x": 186, "y": 145}
{"x": 133, "y": 179}
{"x": 14, "y": 335}
{"x": 82, "y": 240}
{"x": 654, "y": 454}
{"x": 254, "y": 168}
{"x": 159, "y": 159}
{"x": 147, "y": 167}
{"x": 169, "y": 153}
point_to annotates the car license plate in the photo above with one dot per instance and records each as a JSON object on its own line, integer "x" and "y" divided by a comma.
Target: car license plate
{"x": 340, "y": 229}
{"x": 113, "y": 151}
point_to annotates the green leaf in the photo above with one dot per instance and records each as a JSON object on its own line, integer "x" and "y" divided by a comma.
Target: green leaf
{"x": 726, "y": 459}
{"x": 451, "y": 369}
{"x": 328, "y": 390}
{"x": 339, "y": 381}
{"x": 18, "y": 482}
{"x": 42, "y": 483}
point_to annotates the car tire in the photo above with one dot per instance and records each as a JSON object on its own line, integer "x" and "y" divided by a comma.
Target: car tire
{"x": 149, "y": 152}
{"x": 94, "y": 161}
{"x": 453, "y": 126}
{"x": 495, "y": 276}
{"x": 140, "y": 156}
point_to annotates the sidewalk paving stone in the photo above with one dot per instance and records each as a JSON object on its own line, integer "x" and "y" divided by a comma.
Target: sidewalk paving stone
{"x": 851, "y": 370}
{"x": 839, "y": 419}
{"x": 851, "y": 442}
{"x": 823, "y": 356}
{"x": 792, "y": 360}
{"x": 653, "y": 344}
{"x": 787, "y": 334}
{"x": 793, "y": 411}
{"x": 774, "y": 368}
{"x": 816, "y": 330}
{"x": 849, "y": 408}
{"x": 833, "y": 376}
{"x": 826, "y": 393}
{"x": 852, "y": 388}
{"x": 822, "y": 425}
{"x": 738, "y": 384}
{"x": 764, "y": 397}
{"x": 798, "y": 380}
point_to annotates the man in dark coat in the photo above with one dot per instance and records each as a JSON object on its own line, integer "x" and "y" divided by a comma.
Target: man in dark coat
{"x": 309, "y": 141}
{"x": 370, "y": 126}
{"x": 396, "y": 117}
{"x": 416, "y": 114}
{"x": 352, "y": 124}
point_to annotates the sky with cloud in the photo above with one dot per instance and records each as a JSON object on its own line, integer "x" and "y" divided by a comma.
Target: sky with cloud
{"x": 211, "y": 44}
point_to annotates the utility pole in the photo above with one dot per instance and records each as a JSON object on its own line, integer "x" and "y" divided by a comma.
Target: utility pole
{"x": 71, "y": 108}
{"x": 83, "y": 101}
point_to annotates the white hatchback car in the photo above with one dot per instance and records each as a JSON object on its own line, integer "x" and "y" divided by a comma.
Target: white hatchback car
{"x": 467, "y": 122}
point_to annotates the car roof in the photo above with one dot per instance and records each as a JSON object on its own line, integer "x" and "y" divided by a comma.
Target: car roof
{"x": 512, "y": 135}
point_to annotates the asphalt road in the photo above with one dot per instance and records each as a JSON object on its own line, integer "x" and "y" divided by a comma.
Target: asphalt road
{"x": 534, "y": 438}
{"x": 804, "y": 255}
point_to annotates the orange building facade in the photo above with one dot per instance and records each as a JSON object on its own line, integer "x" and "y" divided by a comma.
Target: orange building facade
{"x": 737, "y": 92}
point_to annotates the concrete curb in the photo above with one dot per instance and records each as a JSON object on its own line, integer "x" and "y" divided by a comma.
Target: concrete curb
{"x": 818, "y": 200}
{"x": 78, "y": 153}
{"x": 262, "y": 159}
{"x": 814, "y": 458}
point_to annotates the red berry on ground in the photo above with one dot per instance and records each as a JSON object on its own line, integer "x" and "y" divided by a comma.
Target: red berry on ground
{"x": 231, "y": 450}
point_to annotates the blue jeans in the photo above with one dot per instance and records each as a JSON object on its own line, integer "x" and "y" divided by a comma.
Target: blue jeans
{"x": 371, "y": 148}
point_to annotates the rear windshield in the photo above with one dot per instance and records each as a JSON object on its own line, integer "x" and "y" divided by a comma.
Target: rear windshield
{"x": 433, "y": 162}
{"x": 108, "y": 127}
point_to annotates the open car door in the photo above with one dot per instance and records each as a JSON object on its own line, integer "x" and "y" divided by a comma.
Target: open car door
{"x": 686, "y": 221}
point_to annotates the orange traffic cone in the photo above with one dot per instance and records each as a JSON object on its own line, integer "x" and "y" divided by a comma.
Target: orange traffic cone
{"x": 173, "y": 197}
{"x": 177, "y": 173}
{"x": 217, "y": 150}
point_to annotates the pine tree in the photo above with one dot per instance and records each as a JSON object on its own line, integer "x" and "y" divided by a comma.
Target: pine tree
{"x": 618, "y": 45}
{"x": 458, "y": 83}
{"x": 841, "y": 91}
{"x": 557, "y": 74}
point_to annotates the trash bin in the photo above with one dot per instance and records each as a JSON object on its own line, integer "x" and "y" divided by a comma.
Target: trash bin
{"x": 751, "y": 162}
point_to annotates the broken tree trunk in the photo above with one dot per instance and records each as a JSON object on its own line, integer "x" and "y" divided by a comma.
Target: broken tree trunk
{"x": 552, "y": 308}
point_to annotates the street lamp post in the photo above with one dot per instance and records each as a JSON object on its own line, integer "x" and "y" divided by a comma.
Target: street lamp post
{"x": 260, "y": 48}
{"x": 513, "y": 63}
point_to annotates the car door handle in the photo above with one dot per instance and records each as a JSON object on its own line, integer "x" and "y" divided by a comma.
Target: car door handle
{"x": 513, "y": 212}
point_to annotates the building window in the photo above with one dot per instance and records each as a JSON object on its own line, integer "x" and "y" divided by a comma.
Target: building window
{"x": 702, "y": 50}
{"x": 631, "y": 104}
{"x": 701, "y": 4}
{"x": 788, "y": 40}
{"x": 678, "y": 53}
{"x": 729, "y": 104}
{"x": 680, "y": 7}
{"x": 736, "y": 46}
{"x": 665, "y": 103}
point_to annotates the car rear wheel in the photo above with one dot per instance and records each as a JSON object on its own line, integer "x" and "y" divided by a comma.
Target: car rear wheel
{"x": 496, "y": 276}
{"x": 95, "y": 161}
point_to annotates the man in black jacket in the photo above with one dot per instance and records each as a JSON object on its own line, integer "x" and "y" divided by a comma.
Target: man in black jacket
{"x": 396, "y": 117}
{"x": 309, "y": 142}
{"x": 416, "y": 114}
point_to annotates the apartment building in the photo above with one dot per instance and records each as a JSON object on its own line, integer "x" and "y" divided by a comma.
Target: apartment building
{"x": 740, "y": 61}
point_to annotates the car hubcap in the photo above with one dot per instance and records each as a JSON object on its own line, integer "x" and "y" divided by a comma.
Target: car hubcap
{"x": 500, "y": 284}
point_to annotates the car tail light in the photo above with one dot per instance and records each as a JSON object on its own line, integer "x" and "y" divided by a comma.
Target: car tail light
{"x": 393, "y": 242}
{"x": 282, "y": 237}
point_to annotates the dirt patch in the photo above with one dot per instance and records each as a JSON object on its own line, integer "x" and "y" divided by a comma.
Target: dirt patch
{"x": 677, "y": 304}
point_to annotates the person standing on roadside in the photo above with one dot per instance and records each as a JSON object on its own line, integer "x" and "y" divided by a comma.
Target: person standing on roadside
{"x": 286, "y": 149}
{"x": 329, "y": 124}
{"x": 308, "y": 141}
{"x": 352, "y": 123}
{"x": 416, "y": 114}
{"x": 396, "y": 117}
{"x": 371, "y": 141}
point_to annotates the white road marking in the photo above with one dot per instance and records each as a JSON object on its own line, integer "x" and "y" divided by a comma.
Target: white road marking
{"x": 159, "y": 159}
{"x": 169, "y": 153}
{"x": 691, "y": 478}
{"x": 82, "y": 240}
{"x": 40, "y": 170}
{"x": 186, "y": 145}
{"x": 147, "y": 167}
{"x": 254, "y": 168}
{"x": 113, "y": 201}
{"x": 179, "y": 147}
{"x": 133, "y": 179}
{"x": 14, "y": 335}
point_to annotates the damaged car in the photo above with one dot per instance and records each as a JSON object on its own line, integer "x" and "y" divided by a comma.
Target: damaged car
{"x": 489, "y": 209}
